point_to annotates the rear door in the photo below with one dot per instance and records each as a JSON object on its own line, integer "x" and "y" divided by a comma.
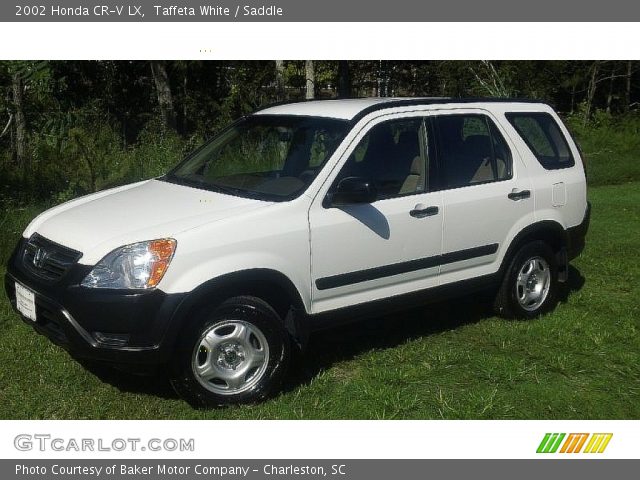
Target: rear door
{"x": 487, "y": 195}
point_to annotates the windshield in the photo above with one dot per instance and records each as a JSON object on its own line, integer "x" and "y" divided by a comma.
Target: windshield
{"x": 269, "y": 157}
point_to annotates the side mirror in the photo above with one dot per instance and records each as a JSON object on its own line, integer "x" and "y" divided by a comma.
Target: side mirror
{"x": 352, "y": 190}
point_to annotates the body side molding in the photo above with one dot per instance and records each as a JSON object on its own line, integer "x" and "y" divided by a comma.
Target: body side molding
{"x": 358, "y": 276}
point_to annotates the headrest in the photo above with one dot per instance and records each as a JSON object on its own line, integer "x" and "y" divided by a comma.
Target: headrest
{"x": 416, "y": 166}
{"x": 408, "y": 138}
{"x": 478, "y": 144}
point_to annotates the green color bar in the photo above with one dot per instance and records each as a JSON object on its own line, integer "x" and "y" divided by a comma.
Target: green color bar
{"x": 558, "y": 442}
{"x": 550, "y": 443}
{"x": 543, "y": 443}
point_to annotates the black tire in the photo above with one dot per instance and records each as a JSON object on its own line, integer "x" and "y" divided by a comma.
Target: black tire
{"x": 508, "y": 301}
{"x": 262, "y": 323}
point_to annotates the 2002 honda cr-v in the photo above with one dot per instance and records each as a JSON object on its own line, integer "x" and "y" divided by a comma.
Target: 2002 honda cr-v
{"x": 298, "y": 213}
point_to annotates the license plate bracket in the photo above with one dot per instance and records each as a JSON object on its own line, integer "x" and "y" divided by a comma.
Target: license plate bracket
{"x": 26, "y": 301}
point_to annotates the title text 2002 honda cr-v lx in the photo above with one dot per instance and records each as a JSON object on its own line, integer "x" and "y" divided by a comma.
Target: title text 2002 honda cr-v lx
{"x": 299, "y": 213}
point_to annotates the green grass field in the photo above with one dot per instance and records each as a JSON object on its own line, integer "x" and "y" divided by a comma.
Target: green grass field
{"x": 451, "y": 360}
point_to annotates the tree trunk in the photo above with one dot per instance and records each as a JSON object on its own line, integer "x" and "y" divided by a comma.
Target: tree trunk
{"x": 6, "y": 127}
{"x": 280, "y": 92}
{"x": 185, "y": 97}
{"x": 627, "y": 90}
{"x": 310, "y": 75}
{"x": 344, "y": 80}
{"x": 591, "y": 92}
{"x": 163, "y": 89}
{"x": 610, "y": 94}
{"x": 21, "y": 124}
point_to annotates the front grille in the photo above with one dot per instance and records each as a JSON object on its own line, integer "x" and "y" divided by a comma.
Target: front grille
{"x": 47, "y": 259}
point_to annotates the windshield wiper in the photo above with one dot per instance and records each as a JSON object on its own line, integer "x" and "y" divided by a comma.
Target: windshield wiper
{"x": 199, "y": 182}
{"x": 224, "y": 189}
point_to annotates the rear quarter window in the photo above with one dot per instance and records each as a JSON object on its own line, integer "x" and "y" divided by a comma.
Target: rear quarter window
{"x": 544, "y": 138}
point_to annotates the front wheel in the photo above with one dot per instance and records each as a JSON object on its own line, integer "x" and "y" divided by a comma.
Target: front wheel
{"x": 530, "y": 284}
{"x": 236, "y": 353}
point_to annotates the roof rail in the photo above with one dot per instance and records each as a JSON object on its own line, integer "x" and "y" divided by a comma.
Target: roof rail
{"x": 408, "y": 101}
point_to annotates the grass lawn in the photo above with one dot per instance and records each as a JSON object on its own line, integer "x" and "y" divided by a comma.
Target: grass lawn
{"x": 452, "y": 360}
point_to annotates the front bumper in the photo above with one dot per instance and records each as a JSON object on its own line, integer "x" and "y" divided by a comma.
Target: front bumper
{"x": 122, "y": 327}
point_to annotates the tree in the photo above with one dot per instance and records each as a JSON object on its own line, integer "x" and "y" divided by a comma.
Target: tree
{"x": 591, "y": 90}
{"x": 23, "y": 75}
{"x": 163, "y": 90}
{"x": 344, "y": 80}
{"x": 20, "y": 122}
{"x": 280, "y": 91}
{"x": 310, "y": 78}
{"x": 492, "y": 80}
{"x": 627, "y": 90}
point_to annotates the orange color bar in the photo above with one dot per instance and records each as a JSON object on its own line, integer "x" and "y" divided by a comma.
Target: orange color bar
{"x": 583, "y": 439}
{"x": 567, "y": 442}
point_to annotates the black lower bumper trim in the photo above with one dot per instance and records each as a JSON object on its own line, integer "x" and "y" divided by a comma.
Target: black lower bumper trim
{"x": 576, "y": 235}
{"x": 112, "y": 327}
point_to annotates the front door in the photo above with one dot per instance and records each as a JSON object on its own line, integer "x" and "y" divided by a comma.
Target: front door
{"x": 390, "y": 246}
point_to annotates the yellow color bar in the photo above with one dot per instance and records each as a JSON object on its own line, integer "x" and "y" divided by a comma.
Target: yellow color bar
{"x": 607, "y": 439}
{"x": 598, "y": 442}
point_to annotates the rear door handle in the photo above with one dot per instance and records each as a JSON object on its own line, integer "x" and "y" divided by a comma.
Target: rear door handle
{"x": 421, "y": 210}
{"x": 516, "y": 194}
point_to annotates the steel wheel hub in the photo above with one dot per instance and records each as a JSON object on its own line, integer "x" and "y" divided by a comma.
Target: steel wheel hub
{"x": 533, "y": 283}
{"x": 230, "y": 357}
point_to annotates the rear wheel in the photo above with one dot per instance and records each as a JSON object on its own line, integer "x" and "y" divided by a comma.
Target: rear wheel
{"x": 236, "y": 353}
{"x": 530, "y": 284}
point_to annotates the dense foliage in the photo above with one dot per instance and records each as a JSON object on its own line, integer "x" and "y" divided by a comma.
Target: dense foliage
{"x": 71, "y": 127}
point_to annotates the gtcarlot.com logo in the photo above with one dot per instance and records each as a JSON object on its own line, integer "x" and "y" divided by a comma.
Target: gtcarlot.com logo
{"x": 45, "y": 442}
{"x": 574, "y": 443}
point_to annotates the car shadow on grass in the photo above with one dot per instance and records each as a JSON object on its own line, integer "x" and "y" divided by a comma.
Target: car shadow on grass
{"x": 345, "y": 342}
{"x": 153, "y": 383}
{"x": 574, "y": 283}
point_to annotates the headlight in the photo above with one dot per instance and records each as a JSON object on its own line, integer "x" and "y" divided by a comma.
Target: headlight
{"x": 139, "y": 265}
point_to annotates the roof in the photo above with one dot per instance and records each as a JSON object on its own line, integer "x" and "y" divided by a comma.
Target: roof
{"x": 355, "y": 108}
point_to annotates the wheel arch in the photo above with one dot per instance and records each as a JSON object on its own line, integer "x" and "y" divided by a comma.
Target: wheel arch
{"x": 269, "y": 285}
{"x": 549, "y": 231}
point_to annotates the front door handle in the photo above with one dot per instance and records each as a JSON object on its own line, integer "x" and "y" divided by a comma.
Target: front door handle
{"x": 421, "y": 211}
{"x": 516, "y": 194}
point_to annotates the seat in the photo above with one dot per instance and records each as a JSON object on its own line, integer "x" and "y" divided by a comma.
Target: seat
{"x": 396, "y": 167}
{"x": 477, "y": 158}
{"x": 414, "y": 181}
{"x": 406, "y": 164}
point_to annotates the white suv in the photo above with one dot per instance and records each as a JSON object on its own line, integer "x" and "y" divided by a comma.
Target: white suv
{"x": 300, "y": 214}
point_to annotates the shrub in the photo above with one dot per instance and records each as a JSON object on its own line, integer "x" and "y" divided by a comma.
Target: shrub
{"x": 611, "y": 146}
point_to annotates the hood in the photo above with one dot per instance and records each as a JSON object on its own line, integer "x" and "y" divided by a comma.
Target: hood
{"x": 141, "y": 211}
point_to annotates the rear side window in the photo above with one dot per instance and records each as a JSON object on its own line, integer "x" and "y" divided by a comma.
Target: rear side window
{"x": 471, "y": 150}
{"x": 544, "y": 138}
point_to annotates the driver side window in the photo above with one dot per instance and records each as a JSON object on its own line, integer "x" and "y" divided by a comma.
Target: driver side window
{"x": 394, "y": 156}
